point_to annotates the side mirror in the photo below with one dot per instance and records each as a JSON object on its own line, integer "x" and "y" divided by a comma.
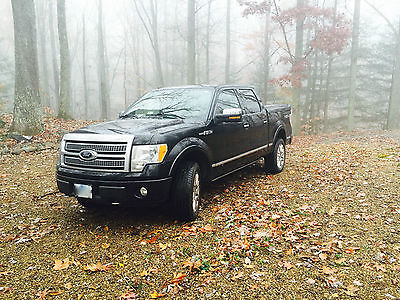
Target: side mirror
{"x": 229, "y": 115}
{"x": 121, "y": 113}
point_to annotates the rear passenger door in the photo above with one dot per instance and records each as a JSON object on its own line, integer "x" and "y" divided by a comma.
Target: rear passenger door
{"x": 255, "y": 117}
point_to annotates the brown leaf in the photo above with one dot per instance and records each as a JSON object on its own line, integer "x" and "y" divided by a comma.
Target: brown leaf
{"x": 352, "y": 290}
{"x": 287, "y": 265}
{"x": 128, "y": 296}
{"x": 238, "y": 275}
{"x": 323, "y": 256}
{"x": 62, "y": 264}
{"x": 340, "y": 261}
{"x": 105, "y": 245}
{"x": 97, "y": 267}
{"x": 332, "y": 211}
{"x": 327, "y": 271}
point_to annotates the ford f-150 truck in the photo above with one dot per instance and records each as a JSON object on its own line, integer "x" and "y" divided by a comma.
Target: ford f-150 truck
{"x": 169, "y": 143}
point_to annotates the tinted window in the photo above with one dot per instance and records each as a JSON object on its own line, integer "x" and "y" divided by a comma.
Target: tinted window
{"x": 226, "y": 99}
{"x": 249, "y": 101}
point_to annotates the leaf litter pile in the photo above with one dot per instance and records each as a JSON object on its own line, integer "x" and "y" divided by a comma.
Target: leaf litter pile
{"x": 327, "y": 227}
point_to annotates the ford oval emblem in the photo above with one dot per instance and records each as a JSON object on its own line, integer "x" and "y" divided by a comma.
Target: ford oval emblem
{"x": 88, "y": 155}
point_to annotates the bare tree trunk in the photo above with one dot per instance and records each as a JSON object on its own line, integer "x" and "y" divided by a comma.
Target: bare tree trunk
{"x": 56, "y": 75}
{"x": 125, "y": 79}
{"x": 191, "y": 38}
{"x": 394, "y": 103}
{"x": 44, "y": 78}
{"x": 208, "y": 41}
{"x": 266, "y": 52}
{"x": 228, "y": 41}
{"x": 27, "y": 110}
{"x": 353, "y": 65}
{"x": 103, "y": 88}
{"x": 298, "y": 59}
{"x": 328, "y": 81}
{"x": 64, "y": 109}
{"x": 85, "y": 85}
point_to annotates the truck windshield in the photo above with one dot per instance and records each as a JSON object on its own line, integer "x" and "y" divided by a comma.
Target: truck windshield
{"x": 174, "y": 103}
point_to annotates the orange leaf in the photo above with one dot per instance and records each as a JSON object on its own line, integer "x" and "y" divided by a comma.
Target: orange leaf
{"x": 156, "y": 295}
{"x": 105, "y": 245}
{"x": 178, "y": 278}
{"x": 352, "y": 250}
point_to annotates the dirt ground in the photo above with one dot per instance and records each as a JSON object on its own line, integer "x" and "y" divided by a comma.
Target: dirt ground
{"x": 327, "y": 227}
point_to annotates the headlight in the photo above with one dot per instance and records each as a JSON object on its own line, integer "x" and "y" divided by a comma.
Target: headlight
{"x": 147, "y": 154}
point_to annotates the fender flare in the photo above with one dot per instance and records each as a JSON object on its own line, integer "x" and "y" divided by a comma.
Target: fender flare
{"x": 186, "y": 146}
{"x": 281, "y": 126}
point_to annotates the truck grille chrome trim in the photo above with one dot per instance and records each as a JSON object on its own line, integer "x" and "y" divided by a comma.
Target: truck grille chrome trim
{"x": 112, "y": 152}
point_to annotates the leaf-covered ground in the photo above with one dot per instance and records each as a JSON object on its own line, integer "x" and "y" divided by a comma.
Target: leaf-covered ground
{"x": 327, "y": 227}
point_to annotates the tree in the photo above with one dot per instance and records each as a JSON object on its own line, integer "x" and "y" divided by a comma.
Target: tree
{"x": 103, "y": 80}
{"x": 191, "y": 42}
{"x": 228, "y": 41}
{"x": 27, "y": 110}
{"x": 85, "y": 85}
{"x": 207, "y": 43}
{"x": 56, "y": 77}
{"x": 353, "y": 64}
{"x": 330, "y": 35}
{"x": 64, "y": 109}
{"x": 41, "y": 11}
{"x": 151, "y": 26}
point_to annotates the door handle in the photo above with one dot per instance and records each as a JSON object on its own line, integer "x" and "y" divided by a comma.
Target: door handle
{"x": 246, "y": 125}
{"x": 265, "y": 122}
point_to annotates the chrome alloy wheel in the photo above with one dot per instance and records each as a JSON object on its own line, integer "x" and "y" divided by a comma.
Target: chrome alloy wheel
{"x": 280, "y": 156}
{"x": 196, "y": 192}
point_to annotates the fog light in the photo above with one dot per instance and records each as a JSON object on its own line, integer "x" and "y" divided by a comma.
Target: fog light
{"x": 143, "y": 191}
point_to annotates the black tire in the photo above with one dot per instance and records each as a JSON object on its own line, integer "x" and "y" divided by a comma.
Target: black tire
{"x": 274, "y": 162}
{"x": 186, "y": 191}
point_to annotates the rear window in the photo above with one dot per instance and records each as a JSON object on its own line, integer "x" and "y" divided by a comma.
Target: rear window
{"x": 249, "y": 101}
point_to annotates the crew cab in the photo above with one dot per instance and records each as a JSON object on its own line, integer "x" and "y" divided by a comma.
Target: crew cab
{"x": 169, "y": 143}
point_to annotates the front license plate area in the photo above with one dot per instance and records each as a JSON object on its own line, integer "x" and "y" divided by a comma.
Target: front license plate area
{"x": 83, "y": 191}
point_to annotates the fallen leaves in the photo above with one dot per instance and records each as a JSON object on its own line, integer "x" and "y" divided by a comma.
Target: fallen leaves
{"x": 62, "y": 264}
{"x": 327, "y": 271}
{"x": 98, "y": 267}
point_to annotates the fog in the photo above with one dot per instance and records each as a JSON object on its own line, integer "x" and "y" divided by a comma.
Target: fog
{"x": 331, "y": 82}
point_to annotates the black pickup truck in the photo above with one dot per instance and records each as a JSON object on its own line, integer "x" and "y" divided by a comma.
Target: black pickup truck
{"x": 169, "y": 143}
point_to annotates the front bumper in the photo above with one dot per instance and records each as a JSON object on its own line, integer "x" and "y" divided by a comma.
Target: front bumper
{"x": 124, "y": 192}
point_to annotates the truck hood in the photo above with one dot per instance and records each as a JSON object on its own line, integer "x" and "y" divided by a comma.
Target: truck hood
{"x": 135, "y": 126}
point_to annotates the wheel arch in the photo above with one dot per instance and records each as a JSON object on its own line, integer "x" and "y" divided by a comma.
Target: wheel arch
{"x": 193, "y": 152}
{"x": 280, "y": 133}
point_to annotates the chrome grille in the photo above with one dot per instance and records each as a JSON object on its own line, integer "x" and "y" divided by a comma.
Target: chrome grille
{"x": 99, "y": 148}
{"x": 112, "y": 152}
{"x": 98, "y": 163}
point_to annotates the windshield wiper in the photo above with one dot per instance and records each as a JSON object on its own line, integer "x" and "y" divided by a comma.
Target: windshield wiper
{"x": 163, "y": 114}
{"x": 131, "y": 115}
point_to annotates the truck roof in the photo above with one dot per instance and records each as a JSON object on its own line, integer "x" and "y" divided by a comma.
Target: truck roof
{"x": 220, "y": 86}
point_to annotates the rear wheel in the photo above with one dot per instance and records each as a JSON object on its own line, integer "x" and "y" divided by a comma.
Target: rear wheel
{"x": 186, "y": 191}
{"x": 274, "y": 162}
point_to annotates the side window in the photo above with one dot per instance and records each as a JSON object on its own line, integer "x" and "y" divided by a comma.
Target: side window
{"x": 249, "y": 101}
{"x": 226, "y": 99}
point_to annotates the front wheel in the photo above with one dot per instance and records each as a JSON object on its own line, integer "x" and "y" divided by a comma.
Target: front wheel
{"x": 274, "y": 162}
{"x": 186, "y": 191}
